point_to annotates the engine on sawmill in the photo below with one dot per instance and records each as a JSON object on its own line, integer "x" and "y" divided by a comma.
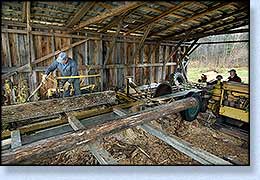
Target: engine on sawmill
{"x": 230, "y": 99}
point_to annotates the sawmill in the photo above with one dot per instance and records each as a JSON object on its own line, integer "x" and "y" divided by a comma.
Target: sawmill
{"x": 106, "y": 83}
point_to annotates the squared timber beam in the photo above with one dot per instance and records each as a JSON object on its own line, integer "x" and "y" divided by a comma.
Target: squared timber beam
{"x": 80, "y": 14}
{"x": 114, "y": 12}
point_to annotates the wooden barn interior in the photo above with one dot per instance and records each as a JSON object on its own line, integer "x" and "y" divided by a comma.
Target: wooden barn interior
{"x": 110, "y": 41}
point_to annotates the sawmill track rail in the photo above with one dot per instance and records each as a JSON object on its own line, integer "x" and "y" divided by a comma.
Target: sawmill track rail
{"x": 74, "y": 133}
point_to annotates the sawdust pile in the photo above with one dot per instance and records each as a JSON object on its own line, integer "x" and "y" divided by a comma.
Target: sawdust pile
{"x": 136, "y": 147}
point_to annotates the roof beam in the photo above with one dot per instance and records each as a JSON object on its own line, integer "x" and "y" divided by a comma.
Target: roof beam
{"x": 176, "y": 24}
{"x": 116, "y": 19}
{"x": 80, "y": 14}
{"x": 193, "y": 28}
{"x": 237, "y": 20}
{"x": 224, "y": 31}
{"x": 114, "y": 12}
{"x": 175, "y": 8}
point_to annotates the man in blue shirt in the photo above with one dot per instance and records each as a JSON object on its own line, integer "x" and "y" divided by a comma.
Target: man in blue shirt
{"x": 67, "y": 67}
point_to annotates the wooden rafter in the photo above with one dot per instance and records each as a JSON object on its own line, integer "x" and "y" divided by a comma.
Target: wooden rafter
{"x": 171, "y": 14}
{"x": 181, "y": 5}
{"x": 223, "y": 25}
{"x": 80, "y": 13}
{"x": 116, "y": 20}
{"x": 106, "y": 6}
{"x": 114, "y": 12}
{"x": 226, "y": 30}
{"x": 193, "y": 28}
{"x": 205, "y": 12}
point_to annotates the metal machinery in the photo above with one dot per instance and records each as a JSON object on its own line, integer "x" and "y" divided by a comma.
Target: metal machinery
{"x": 230, "y": 99}
{"x": 166, "y": 92}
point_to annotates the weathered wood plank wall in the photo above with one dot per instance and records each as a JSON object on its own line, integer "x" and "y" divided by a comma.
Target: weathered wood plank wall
{"x": 147, "y": 66}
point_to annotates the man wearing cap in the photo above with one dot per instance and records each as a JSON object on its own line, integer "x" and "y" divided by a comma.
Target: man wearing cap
{"x": 233, "y": 76}
{"x": 67, "y": 67}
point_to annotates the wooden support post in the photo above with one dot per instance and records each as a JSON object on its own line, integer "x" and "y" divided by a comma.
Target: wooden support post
{"x": 164, "y": 64}
{"x": 86, "y": 61}
{"x": 15, "y": 139}
{"x": 184, "y": 55}
{"x": 111, "y": 48}
{"x": 140, "y": 45}
{"x": 9, "y": 60}
{"x": 49, "y": 147}
{"x": 101, "y": 70}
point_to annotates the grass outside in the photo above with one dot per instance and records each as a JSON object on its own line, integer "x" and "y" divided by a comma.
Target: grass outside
{"x": 195, "y": 73}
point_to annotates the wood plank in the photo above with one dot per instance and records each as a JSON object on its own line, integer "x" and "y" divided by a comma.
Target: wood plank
{"x": 114, "y": 12}
{"x": 197, "y": 154}
{"x": 31, "y": 110}
{"x": 51, "y": 146}
{"x": 74, "y": 122}
{"x": 80, "y": 13}
{"x": 16, "y": 140}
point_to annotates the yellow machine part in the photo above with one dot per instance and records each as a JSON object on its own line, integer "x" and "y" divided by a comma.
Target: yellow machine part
{"x": 234, "y": 113}
{"x": 233, "y": 91}
{"x": 237, "y": 87}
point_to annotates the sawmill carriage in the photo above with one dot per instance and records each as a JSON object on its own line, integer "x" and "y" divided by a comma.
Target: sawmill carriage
{"x": 129, "y": 54}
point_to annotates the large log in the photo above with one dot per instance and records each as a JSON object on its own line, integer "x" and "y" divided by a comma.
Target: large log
{"x": 39, "y": 109}
{"x": 51, "y": 146}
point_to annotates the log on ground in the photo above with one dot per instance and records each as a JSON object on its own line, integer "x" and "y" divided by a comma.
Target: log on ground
{"x": 31, "y": 110}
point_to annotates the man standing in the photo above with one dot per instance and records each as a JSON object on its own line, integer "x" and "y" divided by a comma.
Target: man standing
{"x": 233, "y": 76}
{"x": 67, "y": 67}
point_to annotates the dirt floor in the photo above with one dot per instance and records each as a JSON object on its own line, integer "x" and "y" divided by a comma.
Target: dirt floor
{"x": 136, "y": 147}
